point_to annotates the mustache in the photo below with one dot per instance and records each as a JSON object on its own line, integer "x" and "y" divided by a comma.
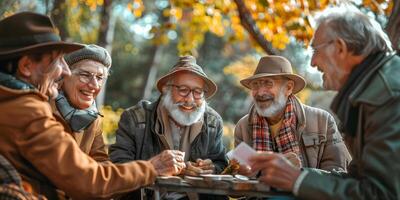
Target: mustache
{"x": 264, "y": 97}
{"x": 186, "y": 104}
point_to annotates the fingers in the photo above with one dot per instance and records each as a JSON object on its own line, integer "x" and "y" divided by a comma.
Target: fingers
{"x": 169, "y": 162}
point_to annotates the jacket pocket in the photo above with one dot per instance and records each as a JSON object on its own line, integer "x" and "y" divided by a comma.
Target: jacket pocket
{"x": 312, "y": 143}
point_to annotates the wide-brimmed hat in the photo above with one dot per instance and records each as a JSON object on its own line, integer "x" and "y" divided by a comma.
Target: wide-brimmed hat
{"x": 28, "y": 32}
{"x": 273, "y": 66}
{"x": 188, "y": 64}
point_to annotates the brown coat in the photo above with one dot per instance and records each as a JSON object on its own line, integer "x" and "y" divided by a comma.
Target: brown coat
{"x": 89, "y": 140}
{"x": 48, "y": 157}
{"x": 321, "y": 144}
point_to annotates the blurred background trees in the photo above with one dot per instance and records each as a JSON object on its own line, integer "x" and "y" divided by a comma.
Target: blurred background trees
{"x": 226, "y": 36}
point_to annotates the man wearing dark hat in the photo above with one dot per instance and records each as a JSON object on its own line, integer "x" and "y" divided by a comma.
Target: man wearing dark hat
{"x": 180, "y": 119}
{"x": 47, "y": 157}
{"x": 279, "y": 122}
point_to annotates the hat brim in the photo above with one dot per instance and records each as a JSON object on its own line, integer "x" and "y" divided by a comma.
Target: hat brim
{"x": 210, "y": 85}
{"x": 66, "y": 47}
{"x": 299, "y": 82}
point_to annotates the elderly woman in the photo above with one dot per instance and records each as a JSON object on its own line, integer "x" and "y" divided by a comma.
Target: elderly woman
{"x": 75, "y": 105}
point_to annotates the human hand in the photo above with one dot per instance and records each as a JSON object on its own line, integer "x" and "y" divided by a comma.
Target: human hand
{"x": 199, "y": 167}
{"x": 276, "y": 170}
{"x": 169, "y": 162}
{"x": 293, "y": 158}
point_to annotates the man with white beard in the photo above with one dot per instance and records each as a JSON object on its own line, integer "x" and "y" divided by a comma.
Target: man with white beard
{"x": 279, "y": 122}
{"x": 179, "y": 120}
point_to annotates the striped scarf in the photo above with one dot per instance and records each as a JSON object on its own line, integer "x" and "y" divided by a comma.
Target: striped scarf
{"x": 285, "y": 141}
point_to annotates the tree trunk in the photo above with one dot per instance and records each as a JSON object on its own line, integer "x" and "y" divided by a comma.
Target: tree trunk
{"x": 106, "y": 36}
{"x": 58, "y": 15}
{"x": 393, "y": 27}
{"x": 153, "y": 69}
{"x": 250, "y": 25}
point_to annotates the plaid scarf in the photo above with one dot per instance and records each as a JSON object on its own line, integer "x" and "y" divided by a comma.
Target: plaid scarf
{"x": 285, "y": 141}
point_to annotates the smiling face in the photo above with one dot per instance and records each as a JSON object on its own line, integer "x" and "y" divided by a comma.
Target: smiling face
{"x": 85, "y": 83}
{"x": 184, "y": 107}
{"x": 270, "y": 95}
{"x": 327, "y": 58}
{"x": 43, "y": 71}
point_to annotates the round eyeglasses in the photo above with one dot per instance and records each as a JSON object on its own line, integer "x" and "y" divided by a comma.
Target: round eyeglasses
{"x": 87, "y": 77}
{"x": 184, "y": 91}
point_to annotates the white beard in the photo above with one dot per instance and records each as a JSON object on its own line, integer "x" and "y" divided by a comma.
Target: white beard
{"x": 179, "y": 116}
{"x": 278, "y": 104}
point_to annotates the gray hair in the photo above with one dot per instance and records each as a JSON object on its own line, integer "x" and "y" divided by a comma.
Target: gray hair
{"x": 362, "y": 34}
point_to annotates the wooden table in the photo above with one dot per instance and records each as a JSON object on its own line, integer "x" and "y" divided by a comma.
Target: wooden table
{"x": 251, "y": 188}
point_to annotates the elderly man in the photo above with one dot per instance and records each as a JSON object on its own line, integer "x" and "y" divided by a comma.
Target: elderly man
{"x": 47, "y": 157}
{"x": 278, "y": 122}
{"x": 363, "y": 68}
{"x": 180, "y": 119}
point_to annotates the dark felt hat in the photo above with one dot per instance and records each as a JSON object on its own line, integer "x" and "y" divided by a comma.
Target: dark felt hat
{"x": 188, "y": 64}
{"x": 273, "y": 66}
{"x": 29, "y": 32}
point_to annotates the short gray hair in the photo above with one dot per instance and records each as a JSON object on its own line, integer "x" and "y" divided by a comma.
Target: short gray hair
{"x": 362, "y": 34}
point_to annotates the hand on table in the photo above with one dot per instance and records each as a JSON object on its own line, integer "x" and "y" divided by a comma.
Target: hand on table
{"x": 199, "y": 167}
{"x": 169, "y": 162}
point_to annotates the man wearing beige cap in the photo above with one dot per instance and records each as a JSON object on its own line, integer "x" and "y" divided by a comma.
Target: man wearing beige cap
{"x": 47, "y": 157}
{"x": 180, "y": 119}
{"x": 279, "y": 122}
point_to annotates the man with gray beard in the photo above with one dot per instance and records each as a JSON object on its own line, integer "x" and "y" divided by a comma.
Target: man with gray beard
{"x": 279, "y": 122}
{"x": 179, "y": 120}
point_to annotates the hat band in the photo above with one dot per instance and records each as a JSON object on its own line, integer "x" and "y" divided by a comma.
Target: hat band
{"x": 29, "y": 40}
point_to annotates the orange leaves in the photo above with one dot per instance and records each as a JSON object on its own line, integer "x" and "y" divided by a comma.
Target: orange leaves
{"x": 242, "y": 68}
{"x": 136, "y": 7}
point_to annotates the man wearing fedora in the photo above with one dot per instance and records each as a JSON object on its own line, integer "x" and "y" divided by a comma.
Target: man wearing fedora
{"x": 180, "y": 119}
{"x": 31, "y": 139}
{"x": 279, "y": 122}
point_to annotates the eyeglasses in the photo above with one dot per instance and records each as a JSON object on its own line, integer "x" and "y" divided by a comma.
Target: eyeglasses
{"x": 314, "y": 49}
{"x": 263, "y": 83}
{"x": 86, "y": 77}
{"x": 184, "y": 91}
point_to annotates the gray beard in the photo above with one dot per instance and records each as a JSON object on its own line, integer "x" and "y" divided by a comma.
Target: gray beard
{"x": 182, "y": 118}
{"x": 276, "y": 107}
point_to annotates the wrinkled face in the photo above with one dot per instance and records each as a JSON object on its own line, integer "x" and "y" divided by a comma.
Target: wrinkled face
{"x": 184, "y": 98}
{"x": 324, "y": 57}
{"x": 46, "y": 73}
{"x": 270, "y": 95}
{"x": 85, "y": 83}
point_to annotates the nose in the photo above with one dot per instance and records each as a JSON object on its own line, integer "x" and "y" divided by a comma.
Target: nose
{"x": 94, "y": 82}
{"x": 313, "y": 61}
{"x": 189, "y": 97}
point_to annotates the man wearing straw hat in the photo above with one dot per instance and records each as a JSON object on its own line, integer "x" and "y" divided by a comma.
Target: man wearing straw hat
{"x": 47, "y": 157}
{"x": 279, "y": 122}
{"x": 180, "y": 119}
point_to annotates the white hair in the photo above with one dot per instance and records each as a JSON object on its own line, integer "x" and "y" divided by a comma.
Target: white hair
{"x": 362, "y": 34}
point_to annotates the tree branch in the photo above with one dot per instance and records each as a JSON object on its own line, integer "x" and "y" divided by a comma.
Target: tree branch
{"x": 393, "y": 25}
{"x": 250, "y": 25}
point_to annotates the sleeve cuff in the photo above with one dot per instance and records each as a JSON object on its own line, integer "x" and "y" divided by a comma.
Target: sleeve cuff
{"x": 297, "y": 184}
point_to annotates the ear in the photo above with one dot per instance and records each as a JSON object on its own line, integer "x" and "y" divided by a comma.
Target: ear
{"x": 289, "y": 87}
{"x": 25, "y": 66}
{"x": 341, "y": 48}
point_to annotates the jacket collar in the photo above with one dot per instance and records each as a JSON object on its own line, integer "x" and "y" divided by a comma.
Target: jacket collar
{"x": 358, "y": 95}
{"x": 16, "y": 86}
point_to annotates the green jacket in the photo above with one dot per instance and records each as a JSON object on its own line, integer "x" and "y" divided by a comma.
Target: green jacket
{"x": 374, "y": 172}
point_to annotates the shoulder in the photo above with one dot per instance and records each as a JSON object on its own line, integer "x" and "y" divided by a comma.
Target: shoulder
{"x": 212, "y": 117}
{"x": 244, "y": 121}
{"x": 384, "y": 85}
{"x": 313, "y": 113}
{"x": 138, "y": 111}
